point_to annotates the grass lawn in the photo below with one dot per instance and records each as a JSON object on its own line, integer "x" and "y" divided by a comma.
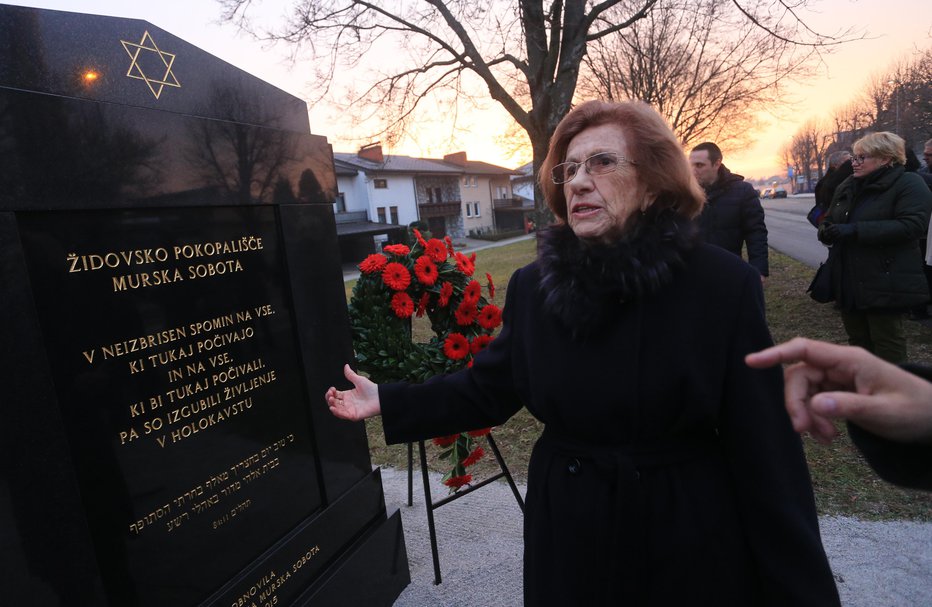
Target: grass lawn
{"x": 844, "y": 484}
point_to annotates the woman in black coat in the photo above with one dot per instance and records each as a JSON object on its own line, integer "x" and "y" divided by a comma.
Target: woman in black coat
{"x": 668, "y": 472}
{"x": 874, "y": 225}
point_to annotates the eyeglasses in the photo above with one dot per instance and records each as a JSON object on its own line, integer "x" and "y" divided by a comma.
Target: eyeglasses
{"x": 597, "y": 164}
{"x": 859, "y": 159}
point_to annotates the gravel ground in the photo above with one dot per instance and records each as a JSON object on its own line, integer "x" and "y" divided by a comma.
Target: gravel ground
{"x": 876, "y": 564}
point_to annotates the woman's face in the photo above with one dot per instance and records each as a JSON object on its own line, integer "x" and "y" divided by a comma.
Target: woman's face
{"x": 599, "y": 206}
{"x": 863, "y": 165}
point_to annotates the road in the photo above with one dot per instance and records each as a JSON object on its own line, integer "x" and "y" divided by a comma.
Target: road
{"x": 789, "y": 232}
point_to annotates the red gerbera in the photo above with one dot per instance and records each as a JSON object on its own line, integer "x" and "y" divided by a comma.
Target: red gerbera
{"x": 478, "y": 433}
{"x": 458, "y": 481}
{"x": 420, "y": 239}
{"x": 466, "y": 313}
{"x": 473, "y": 457}
{"x": 464, "y": 264}
{"x": 490, "y": 317}
{"x": 436, "y": 250}
{"x": 456, "y": 346}
{"x": 446, "y": 290}
{"x": 426, "y": 270}
{"x": 372, "y": 264}
{"x": 491, "y": 285}
{"x": 449, "y": 242}
{"x": 445, "y": 441}
{"x": 402, "y": 305}
{"x": 472, "y": 292}
{"x": 397, "y": 249}
{"x": 479, "y": 342}
{"x": 422, "y": 304}
{"x": 396, "y": 276}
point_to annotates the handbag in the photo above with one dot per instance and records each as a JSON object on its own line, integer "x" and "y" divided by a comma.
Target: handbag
{"x": 816, "y": 215}
{"x": 820, "y": 289}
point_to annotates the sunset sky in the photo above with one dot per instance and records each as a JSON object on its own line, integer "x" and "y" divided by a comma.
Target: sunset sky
{"x": 896, "y": 27}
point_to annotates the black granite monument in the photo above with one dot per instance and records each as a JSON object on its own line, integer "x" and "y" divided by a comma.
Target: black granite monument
{"x": 172, "y": 313}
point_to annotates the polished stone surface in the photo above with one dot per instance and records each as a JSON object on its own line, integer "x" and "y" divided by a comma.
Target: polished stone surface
{"x": 173, "y": 311}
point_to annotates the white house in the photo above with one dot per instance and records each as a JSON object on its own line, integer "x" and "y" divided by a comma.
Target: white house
{"x": 452, "y": 196}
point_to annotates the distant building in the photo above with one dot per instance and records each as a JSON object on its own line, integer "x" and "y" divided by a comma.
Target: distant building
{"x": 452, "y": 196}
{"x": 516, "y": 213}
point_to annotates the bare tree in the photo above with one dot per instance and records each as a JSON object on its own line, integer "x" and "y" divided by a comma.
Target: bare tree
{"x": 898, "y": 99}
{"x": 809, "y": 150}
{"x": 705, "y": 67}
{"x": 524, "y": 54}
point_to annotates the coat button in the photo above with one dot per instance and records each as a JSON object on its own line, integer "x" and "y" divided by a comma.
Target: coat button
{"x": 573, "y": 467}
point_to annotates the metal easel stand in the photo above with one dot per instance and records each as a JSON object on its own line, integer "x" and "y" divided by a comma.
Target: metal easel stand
{"x": 431, "y": 505}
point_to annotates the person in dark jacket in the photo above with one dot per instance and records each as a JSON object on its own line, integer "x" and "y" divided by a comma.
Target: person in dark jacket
{"x": 874, "y": 225}
{"x": 920, "y": 311}
{"x": 733, "y": 216}
{"x": 839, "y": 169}
{"x": 889, "y": 410}
{"x": 668, "y": 472}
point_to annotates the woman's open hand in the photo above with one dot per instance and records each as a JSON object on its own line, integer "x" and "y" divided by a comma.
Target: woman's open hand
{"x": 357, "y": 404}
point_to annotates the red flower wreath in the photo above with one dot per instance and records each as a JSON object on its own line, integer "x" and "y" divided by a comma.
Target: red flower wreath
{"x": 430, "y": 279}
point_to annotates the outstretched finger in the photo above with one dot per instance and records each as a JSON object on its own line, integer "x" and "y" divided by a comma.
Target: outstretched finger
{"x": 800, "y": 384}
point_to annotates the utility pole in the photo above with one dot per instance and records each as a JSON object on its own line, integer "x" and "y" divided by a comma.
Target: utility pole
{"x": 896, "y": 84}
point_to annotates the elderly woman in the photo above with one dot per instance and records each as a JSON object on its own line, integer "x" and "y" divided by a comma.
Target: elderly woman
{"x": 668, "y": 472}
{"x": 875, "y": 222}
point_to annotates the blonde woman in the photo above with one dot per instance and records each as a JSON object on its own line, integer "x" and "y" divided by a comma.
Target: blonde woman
{"x": 875, "y": 222}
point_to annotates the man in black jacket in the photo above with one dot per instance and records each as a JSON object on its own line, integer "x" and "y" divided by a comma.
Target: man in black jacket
{"x": 839, "y": 169}
{"x": 733, "y": 215}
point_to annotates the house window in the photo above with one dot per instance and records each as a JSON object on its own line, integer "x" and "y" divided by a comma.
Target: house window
{"x": 468, "y": 209}
{"x": 380, "y": 184}
{"x": 393, "y": 215}
{"x": 475, "y": 181}
{"x": 465, "y": 182}
{"x": 501, "y": 191}
{"x": 475, "y": 210}
{"x": 340, "y": 202}
{"x": 381, "y": 213}
{"x": 433, "y": 195}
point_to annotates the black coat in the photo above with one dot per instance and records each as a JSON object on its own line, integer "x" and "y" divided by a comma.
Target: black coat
{"x": 825, "y": 188}
{"x": 880, "y": 268}
{"x": 668, "y": 472}
{"x": 733, "y": 217}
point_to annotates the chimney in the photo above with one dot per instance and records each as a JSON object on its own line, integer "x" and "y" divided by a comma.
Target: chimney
{"x": 457, "y": 158}
{"x": 372, "y": 152}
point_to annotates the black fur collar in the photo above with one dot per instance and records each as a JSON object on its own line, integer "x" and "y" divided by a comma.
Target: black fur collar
{"x": 583, "y": 283}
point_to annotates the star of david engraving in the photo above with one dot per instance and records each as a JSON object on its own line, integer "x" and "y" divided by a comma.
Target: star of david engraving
{"x": 142, "y": 50}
